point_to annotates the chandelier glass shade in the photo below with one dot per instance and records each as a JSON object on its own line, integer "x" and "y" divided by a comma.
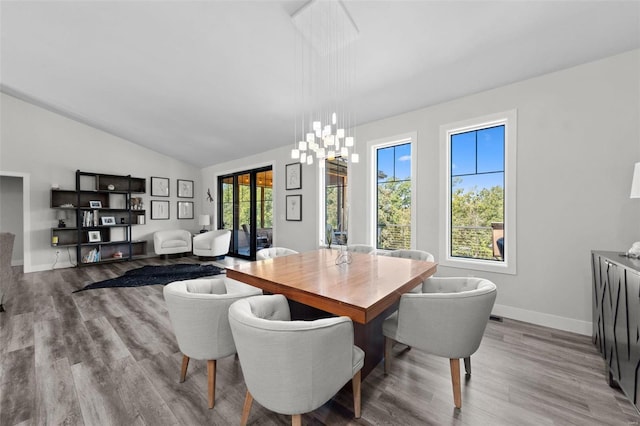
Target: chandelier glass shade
{"x": 325, "y": 72}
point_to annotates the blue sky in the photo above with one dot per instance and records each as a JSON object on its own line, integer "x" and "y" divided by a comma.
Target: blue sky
{"x": 479, "y": 151}
{"x": 395, "y": 161}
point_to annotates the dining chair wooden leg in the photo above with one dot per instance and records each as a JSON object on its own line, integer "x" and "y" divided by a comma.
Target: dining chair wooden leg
{"x": 388, "y": 344}
{"x": 356, "y": 394}
{"x": 296, "y": 420}
{"x": 211, "y": 370}
{"x": 183, "y": 370}
{"x": 467, "y": 367}
{"x": 248, "y": 400}
{"x": 455, "y": 379}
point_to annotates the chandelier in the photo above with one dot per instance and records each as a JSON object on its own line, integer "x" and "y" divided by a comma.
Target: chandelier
{"x": 325, "y": 73}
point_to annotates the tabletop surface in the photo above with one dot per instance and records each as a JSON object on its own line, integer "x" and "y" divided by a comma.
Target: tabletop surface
{"x": 361, "y": 289}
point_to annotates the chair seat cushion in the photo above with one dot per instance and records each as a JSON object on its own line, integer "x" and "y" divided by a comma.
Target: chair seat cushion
{"x": 174, "y": 243}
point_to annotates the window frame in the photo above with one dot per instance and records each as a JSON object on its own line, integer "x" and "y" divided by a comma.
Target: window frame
{"x": 509, "y": 120}
{"x": 402, "y": 139}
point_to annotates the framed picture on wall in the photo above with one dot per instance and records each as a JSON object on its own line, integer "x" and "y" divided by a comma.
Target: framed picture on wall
{"x": 185, "y": 188}
{"x": 159, "y": 187}
{"x": 293, "y": 174}
{"x": 159, "y": 209}
{"x": 294, "y": 207}
{"x": 185, "y": 209}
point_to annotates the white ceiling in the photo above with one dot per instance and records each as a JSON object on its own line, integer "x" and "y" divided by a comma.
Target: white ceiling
{"x": 211, "y": 81}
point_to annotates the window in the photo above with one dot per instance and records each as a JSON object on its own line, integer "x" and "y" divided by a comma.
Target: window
{"x": 393, "y": 206}
{"x": 479, "y": 178}
{"x": 335, "y": 196}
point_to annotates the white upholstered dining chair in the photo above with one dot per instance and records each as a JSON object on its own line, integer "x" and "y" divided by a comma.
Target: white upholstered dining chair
{"x": 271, "y": 252}
{"x": 360, "y": 248}
{"x": 198, "y": 310}
{"x": 447, "y": 319}
{"x": 293, "y": 367}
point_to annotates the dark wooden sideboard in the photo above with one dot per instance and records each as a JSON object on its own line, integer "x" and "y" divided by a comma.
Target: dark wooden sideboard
{"x": 616, "y": 319}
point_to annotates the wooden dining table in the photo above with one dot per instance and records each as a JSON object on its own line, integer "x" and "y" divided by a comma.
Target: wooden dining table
{"x": 366, "y": 289}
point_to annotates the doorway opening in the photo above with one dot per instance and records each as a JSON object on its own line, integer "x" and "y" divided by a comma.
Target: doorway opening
{"x": 245, "y": 208}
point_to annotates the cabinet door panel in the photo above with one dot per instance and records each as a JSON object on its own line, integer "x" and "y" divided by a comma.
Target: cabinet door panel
{"x": 631, "y": 369}
{"x": 609, "y": 305}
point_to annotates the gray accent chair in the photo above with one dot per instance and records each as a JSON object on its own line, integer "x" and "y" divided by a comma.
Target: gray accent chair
{"x": 271, "y": 252}
{"x": 414, "y": 255}
{"x": 447, "y": 319}
{"x": 293, "y": 367}
{"x": 360, "y": 248}
{"x": 6, "y": 270}
{"x": 212, "y": 243}
{"x": 199, "y": 314}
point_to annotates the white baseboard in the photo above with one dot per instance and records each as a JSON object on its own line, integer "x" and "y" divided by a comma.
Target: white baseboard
{"x": 48, "y": 266}
{"x": 546, "y": 320}
{"x": 17, "y": 262}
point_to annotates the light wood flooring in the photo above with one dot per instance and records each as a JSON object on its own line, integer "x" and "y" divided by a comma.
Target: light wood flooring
{"x": 109, "y": 357}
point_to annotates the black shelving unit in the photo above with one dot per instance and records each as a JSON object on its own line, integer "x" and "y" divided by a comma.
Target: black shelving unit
{"x": 104, "y": 215}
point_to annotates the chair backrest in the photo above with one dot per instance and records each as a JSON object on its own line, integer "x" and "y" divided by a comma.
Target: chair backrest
{"x": 290, "y": 367}
{"x": 199, "y": 314}
{"x": 412, "y": 254}
{"x": 360, "y": 248}
{"x": 449, "y": 317}
{"x": 268, "y": 253}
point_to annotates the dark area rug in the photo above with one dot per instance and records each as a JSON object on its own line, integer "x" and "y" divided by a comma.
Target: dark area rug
{"x": 150, "y": 275}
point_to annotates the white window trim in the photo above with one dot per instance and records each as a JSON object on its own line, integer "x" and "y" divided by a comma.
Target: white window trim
{"x": 372, "y": 146}
{"x": 509, "y": 120}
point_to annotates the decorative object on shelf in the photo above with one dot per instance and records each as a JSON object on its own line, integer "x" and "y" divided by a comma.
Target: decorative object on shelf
{"x": 294, "y": 207}
{"x": 117, "y": 255}
{"x": 54, "y": 240}
{"x": 55, "y": 186}
{"x": 324, "y": 80}
{"x": 111, "y": 187}
{"x": 67, "y": 206}
{"x": 122, "y": 221}
{"x": 204, "y": 220}
{"x": 185, "y": 188}
{"x": 159, "y": 209}
{"x": 95, "y": 204}
{"x": 185, "y": 209}
{"x": 635, "y": 183}
{"x": 94, "y": 236}
{"x": 136, "y": 203}
{"x": 61, "y": 215}
{"x": 108, "y": 220}
{"x": 293, "y": 174}
{"x": 159, "y": 187}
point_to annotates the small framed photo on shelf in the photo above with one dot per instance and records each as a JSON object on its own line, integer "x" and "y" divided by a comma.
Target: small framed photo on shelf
{"x": 95, "y": 204}
{"x": 94, "y": 237}
{"x": 159, "y": 209}
{"x": 294, "y": 207}
{"x": 185, "y": 188}
{"x": 107, "y": 220}
{"x": 159, "y": 187}
{"x": 293, "y": 174}
{"x": 185, "y": 209}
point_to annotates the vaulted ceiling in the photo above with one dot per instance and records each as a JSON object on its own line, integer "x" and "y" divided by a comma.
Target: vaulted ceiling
{"x": 211, "y": 81}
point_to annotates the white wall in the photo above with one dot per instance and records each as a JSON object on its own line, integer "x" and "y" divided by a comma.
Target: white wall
{"x": 11, "y": 214}
{"x": 578, "y": 138}
{"x": 51, "y": 147}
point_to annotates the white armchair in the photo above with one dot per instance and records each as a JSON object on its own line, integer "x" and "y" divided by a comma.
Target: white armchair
{"x": 268, "y": 253}
{"x": 172, "y": 242}
{"x": 292, "y": 367}
{"x": 360, "y": 248}
{"x": 447, "y": 319}
{"x": 199, "y": 314}
{"x": 212, "y": 243}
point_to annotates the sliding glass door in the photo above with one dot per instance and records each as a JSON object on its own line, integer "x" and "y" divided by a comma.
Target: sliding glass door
{"x": 245, "y": 207}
